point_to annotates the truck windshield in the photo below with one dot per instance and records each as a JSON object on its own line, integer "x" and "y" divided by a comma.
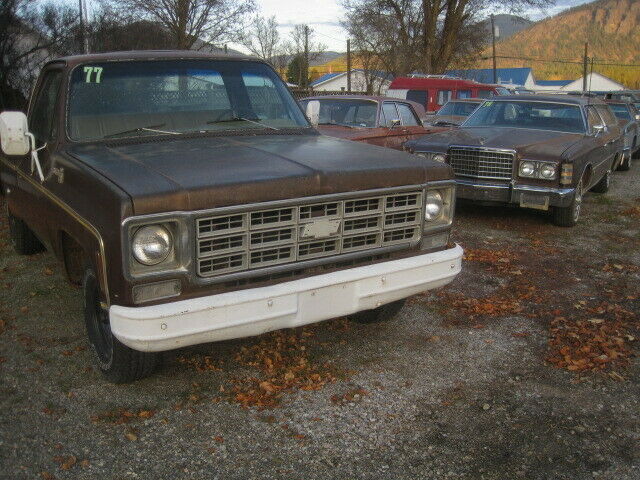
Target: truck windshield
{"x": 133, "y": 98}
{"x": 347, "y": 112}
{"x": 558, "y": 117}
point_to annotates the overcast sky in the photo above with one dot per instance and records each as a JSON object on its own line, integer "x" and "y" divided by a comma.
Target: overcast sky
{"x": 324, "y": 16}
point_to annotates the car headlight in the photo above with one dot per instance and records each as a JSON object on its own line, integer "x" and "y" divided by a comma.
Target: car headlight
{"x": 535, "y": 169}
{"x": 547, "y": 171}
{"x": 438, "y": 157}
{"x": 434, "y": 206}
{"x": 151, "y": 244}
{"x": 527, "y": 169}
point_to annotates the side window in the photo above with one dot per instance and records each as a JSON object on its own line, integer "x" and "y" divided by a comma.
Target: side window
{"x": 418, "y": 96}
{"x": 464, "y": 93}
{"x": 406, "y": 115}
{"x": 485, "y": 93}
{"x": 42, "y": 118}
{"x": 390, "y": 113}
{"x": 444, "y": 96}
{"x": 593, "y": 118}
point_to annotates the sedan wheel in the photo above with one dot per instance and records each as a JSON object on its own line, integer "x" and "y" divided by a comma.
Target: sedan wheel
{"x": 568, "y": 216}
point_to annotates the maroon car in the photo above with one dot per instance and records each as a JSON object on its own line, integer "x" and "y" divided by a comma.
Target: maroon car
{"x": 382, "y": 121}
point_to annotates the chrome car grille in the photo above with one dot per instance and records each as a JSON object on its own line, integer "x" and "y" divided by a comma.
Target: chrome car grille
{"x": 478, "y": 162}
{"x": 266, "y": 237}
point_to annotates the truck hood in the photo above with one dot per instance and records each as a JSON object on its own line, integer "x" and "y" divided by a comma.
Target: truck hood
{"x": 528, "y": 143}
{"x": 209, "y": 172}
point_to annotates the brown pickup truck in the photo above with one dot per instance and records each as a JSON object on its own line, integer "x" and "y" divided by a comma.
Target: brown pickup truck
{"x": 193, "y": 201}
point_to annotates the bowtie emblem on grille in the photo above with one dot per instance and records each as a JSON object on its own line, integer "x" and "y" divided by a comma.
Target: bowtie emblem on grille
{"x": 320, "y": 228}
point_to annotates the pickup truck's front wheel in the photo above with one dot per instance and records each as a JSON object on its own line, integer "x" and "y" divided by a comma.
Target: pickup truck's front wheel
{"x": 23, "y": 239}
{"x": 117, "y": 362}
{"x": 380, "y": 314}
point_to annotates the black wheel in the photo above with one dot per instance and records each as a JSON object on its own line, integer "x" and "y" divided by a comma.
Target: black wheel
{"x": 568, "y": 216}
{"x": 23, "y": 239}
{"x": 603, "y": 185}
{"x": 380, "y": 314}
{"x": 117, "y": 362}
{"x": 625, "y": 165}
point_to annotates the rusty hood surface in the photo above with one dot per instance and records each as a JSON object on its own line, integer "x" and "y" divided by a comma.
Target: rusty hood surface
{"x": 209, "y": 172}
{"x": 535, "y": 144}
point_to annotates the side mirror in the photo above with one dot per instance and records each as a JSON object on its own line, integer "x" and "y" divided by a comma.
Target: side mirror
{"x": 313, "y": 112}
{"x": 598, "y": 129}
{"x": 395, "y": 123}
{"x": 638, "y": 117}
{"x": 14, "y": 133}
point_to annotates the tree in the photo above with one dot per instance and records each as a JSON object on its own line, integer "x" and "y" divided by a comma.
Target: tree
{"x": 294, "y": 71}
{"x": 302, "y": 47}
{"x": 263, "y": 40}
{"x": 187, "y": 21}
{"x": 111, "y": 30}
{"x": 31, "y": 33}
{"x": 427, "y": 35}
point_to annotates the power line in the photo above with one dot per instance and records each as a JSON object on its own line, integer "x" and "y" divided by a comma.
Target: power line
{"x": 574, "y": 62}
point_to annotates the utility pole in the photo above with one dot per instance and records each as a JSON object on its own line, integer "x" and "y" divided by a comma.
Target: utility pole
{"x": 305, "y": 67}
{"x": 585, "y": 63}
{"x": 82, "y": 10}
{"x": 493, "y": 44}
{"x": 348, "y": 65}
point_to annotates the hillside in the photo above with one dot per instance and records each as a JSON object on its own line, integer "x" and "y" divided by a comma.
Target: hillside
{"x": 612, "y": 28}
{"x": 506, "y": 26}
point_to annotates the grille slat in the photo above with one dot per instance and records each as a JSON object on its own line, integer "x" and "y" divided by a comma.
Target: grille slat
{"x": 257, "y": 239}
{"x": 481, "y": 163}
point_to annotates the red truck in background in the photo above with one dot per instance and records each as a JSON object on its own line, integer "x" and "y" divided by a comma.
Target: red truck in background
{"x": 434, "y": 91}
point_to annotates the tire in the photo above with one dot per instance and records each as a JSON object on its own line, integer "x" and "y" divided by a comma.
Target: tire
{"x": 603, "y": 185}
{"x": 117, "y": 362}
{"x": 568, "y": 216}
{"x": 625, "y": 165}
{"x": 380, "y": 314}
{"x": 23, "y": 239}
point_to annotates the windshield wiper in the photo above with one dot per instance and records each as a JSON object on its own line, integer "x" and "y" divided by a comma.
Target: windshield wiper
{"x": 150, "y": 128}
{"x": 242, "y": 119}
{"x": 442, "y": 123}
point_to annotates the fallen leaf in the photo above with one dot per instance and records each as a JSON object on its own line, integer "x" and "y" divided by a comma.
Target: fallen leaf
{"x": 131, "y": 436}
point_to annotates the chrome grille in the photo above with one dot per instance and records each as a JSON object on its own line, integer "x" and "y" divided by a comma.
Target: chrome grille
{"x": 274, "y": 236}
{"x": 479, "y": 162}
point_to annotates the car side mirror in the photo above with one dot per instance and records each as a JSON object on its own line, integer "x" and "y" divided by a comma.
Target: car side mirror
{"x": 14, "y": 133}
{"x": 313, "y": 112}
{"x": 395, "y": 123}
{"x": 598, "y": 129}
{"x": 638, "y": 117}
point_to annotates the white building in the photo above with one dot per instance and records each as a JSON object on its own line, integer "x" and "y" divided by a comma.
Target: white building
{"x": 595, "y": 83}
{"x": 336, "y": 82}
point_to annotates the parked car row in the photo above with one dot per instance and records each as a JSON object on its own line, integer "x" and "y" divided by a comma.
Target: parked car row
{"x": 531, "y": 151}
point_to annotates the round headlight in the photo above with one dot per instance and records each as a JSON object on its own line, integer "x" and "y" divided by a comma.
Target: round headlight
{"x": 434, "y": 206}
{"x": 151, "y": 244}
{"x": 527, "y": 169}
{"x": 547, "y": 170}
{"x": 438, "y": 157}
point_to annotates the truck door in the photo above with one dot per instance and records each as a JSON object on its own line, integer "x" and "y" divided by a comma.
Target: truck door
{"x": 43, "y": 125}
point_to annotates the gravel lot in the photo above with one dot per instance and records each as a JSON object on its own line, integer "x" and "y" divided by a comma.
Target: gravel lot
{"x": 467, "y": 383}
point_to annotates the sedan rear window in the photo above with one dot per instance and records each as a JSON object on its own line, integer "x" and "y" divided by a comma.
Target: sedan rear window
{"x": 522, "y": 114}
{"x": 620, "y": 111}
{"x": 347, "y": 112}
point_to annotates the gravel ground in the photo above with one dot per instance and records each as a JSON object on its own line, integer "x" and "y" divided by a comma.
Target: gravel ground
{"x": 458, "y": 385}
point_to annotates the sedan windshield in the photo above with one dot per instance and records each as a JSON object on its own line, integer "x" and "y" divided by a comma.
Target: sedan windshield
{"x": 134, "y": 98}
{"x": 347, "y": 112}
{"x": 620, "y": 111}
{"x": 463, "y": 109}
{"x": 558, "y": 117}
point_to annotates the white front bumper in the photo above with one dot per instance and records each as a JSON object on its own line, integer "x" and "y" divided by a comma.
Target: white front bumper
{"x": 255, "y": 311}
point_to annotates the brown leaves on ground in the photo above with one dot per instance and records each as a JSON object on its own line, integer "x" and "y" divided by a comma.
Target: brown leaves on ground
{"x": 284, "y": 363}
{"x": 121, "y": 416}
{"x": 498, "y": 260}
{"x": 65, "y": 462}
{"x": 632, "y": 211}
{"x": 201, "y": 364}
{"x": 595, "y": 343}
{"x": 351, "y": 396}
